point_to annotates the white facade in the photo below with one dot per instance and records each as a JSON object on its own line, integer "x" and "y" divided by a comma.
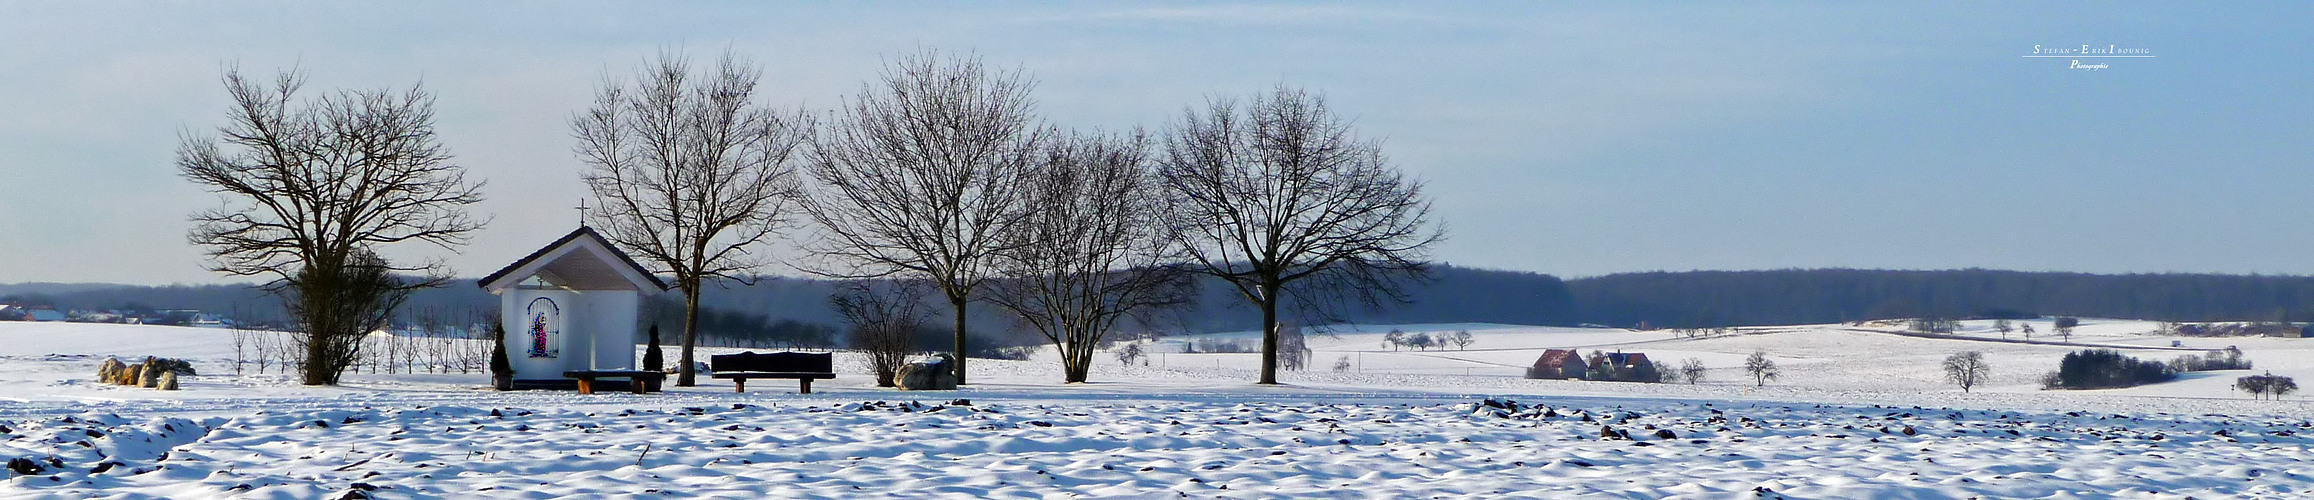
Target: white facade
{"x": 574, "y": 305}
{"x": 585, "y": 330}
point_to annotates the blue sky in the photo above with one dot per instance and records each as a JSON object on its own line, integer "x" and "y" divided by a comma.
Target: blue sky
{"x": 1572, "y": 139}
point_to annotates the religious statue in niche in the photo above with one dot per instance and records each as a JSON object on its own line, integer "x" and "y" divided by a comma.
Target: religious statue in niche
{"x": 545, "y": 327}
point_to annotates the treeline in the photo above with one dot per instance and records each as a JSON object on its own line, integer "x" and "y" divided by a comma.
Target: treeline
{"x": 1807, "y": 296}
{"x": 797, "y": 311}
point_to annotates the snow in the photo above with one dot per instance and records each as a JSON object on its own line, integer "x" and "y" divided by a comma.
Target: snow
{"x": 1398, "y": 423}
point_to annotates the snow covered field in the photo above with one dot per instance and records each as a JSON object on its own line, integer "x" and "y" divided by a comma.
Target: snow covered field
{"x": 1395, "y": 424}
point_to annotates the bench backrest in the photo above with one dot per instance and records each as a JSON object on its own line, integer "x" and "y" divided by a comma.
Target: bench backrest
{"x": 798, "y": 362}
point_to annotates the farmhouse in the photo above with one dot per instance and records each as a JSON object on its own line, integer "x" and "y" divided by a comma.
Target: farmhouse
{"x": 1625, "y": 361}
{"x": 1557, "y": 363}
{"x": 570, "y": 312}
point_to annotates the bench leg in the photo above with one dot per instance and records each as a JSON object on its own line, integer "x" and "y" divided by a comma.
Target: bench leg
{"x": 636, "y": 384}
{"x": 807, "y": 385}
{"x": 738, "y": 385}
{"x": 586, "y": 386}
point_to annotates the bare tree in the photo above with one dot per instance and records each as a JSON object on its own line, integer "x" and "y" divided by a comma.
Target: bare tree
{"x": 2263, "y": 386}
{"x": 690, "y": 174}
{"x": 1462, "y": 339}
{"x": 923, "y": 175}
{"x": 1967, "y": 369}
{"x": 1761, "y": 368}
{"x": 2003, "y": 326}
{"x": 1092, "y": 249}
{"x": 1692, "y": 370}
{"x": 261, "y": 346}
{"x": 1131, "y": 354}
{"x": 2065, "y": 325}
{"x": 312, "y": 189}
{"x": 1277, "y": 197}
{"x": 241, "y": 334}
{"x": 884, "y": 315}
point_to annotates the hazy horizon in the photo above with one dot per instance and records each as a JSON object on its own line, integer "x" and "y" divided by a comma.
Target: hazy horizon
{"x": 1572, "y": 140}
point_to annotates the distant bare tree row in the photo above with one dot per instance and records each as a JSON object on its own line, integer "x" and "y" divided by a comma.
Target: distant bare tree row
{"x": 268, "y": 350}
{"x": 1460, "y": 339}
{"x": 436, "y": 340}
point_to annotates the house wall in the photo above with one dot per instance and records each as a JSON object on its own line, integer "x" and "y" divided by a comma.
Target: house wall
{"x": 596, "y": 323}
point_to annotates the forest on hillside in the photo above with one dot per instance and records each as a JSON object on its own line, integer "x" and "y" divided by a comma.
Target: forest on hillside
{"x": 785, "y": 306}
{"x": 1809, "y": 296}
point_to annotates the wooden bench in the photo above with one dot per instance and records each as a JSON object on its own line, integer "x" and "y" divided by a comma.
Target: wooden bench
{"x": 638, "y": 380}
{"x": 802, "y": 366}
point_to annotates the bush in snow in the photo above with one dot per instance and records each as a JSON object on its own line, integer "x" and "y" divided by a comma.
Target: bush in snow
{"x": 1664, "y": 373}
{"x": 884, "y": 315}
{"x": 653, "y": 360}
{"x": 501, "y": 370}
{"x": 2106, "y": 368}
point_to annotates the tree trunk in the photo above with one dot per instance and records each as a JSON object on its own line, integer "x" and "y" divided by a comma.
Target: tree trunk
{"x": 1269, "y": 334}
{"x": 316, "y": 350}
{"x": 1075, "y": 360}
{"x": 1077, "y": 365}
{"x": 688, "y": 374}
{"x": 957, "y": 300}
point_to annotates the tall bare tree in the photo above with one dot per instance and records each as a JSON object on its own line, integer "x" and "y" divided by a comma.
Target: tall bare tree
{"x": 691, "y": 174}
{"x": 923, "y": 174}
{"x": 1277, "y": 197}
{"x": 1094, "y": 248}
{"x": 884, "y": 315}
{"x": 312, "y": 189}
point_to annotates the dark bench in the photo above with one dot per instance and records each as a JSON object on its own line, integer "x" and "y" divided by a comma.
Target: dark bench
{"x": 802, "y": 366}
{"x": 638, "y": 380}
